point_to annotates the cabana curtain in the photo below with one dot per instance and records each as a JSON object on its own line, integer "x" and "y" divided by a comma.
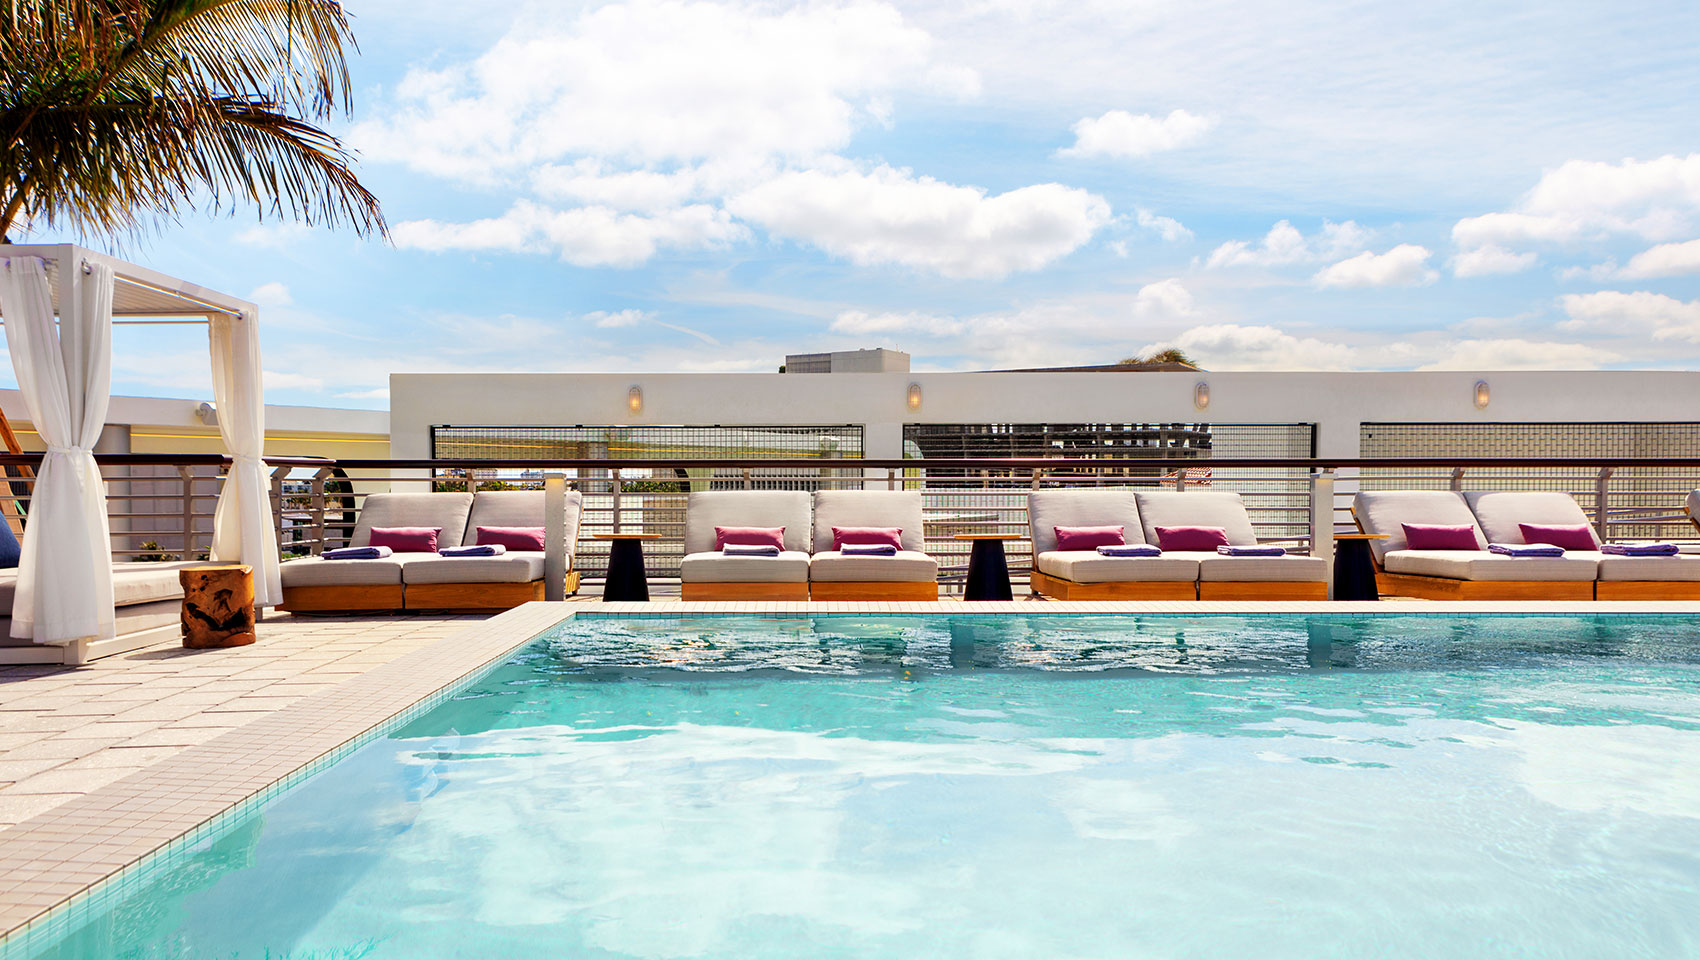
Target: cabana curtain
{"x": 242, "y": 527}
{"x": 64, "y": 588}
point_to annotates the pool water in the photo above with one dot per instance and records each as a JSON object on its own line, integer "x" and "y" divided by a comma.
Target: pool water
{"x": 1021, "y": 787}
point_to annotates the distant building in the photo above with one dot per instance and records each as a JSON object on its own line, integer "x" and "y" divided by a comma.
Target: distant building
{"x": 877, "y": 360}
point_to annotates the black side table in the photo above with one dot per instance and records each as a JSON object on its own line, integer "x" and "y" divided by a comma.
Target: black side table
{"x": 627, "y": 579}
{"x": 1354, "y": 566}
{"x": 988, "y": 571}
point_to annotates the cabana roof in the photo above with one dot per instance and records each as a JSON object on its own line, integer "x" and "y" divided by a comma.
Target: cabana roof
{"x": 139, "y": 295}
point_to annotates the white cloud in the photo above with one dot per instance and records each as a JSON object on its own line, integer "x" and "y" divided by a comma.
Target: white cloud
{"x": 1664, "y": 260}
{"x": 1284, "y": 245}
{"x": 1170, "y": 229}
{"x": 891, "y": 216}
{"x": 863, "y": 323}
{"x": 276, "y": 235}
{"x": 1232, "y": 346}
{"x": 1164, "y": 300}
{"x": 279, "y": 380}
{"x": 1403, "y": 266}
{"x": 272, "y": 294}
{"x": 624, "y": 318}
{"x": 1653, "y": 199}
{"x": 583, "y": 236}
{"x": 1122, "y": 134}
{"x": 589, "y": 181}
{"x": 1517, "y": 354}
{"x": 1490, "y": 260}
{"x": 1497, "y": 229}
{"x": 1615, "y": 312}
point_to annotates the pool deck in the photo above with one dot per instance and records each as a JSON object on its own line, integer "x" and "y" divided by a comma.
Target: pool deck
{"x": 104, "y": 764}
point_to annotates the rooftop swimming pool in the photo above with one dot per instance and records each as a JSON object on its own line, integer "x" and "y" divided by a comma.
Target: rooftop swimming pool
{"x": 1021, "y": 786}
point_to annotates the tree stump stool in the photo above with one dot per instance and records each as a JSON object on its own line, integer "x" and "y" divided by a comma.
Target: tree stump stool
{"x": 218, "y": 606}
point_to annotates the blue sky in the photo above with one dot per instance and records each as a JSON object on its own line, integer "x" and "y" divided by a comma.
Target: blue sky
{"x": 646, "y": 185}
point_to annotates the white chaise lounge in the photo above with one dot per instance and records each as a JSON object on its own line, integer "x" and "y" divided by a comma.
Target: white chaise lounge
{"x": 1086, "y": 575}
{"x": 1287, "y": 577}
{"x": 494, "y": 583}
{"x": 910, "y": 575}
{"x": 1501, "y": 513}
{"x": 708, "y": 574}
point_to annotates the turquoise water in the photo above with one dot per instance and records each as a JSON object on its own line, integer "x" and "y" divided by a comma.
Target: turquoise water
{"x": 1043, "y": 787}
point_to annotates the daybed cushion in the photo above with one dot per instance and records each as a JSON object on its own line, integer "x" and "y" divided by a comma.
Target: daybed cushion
{"x": 132, "y": 583}
{"x": 515, "y": 566}
{"x": 1692, "y": 505}
{"x": 746, "y": 508}
{"x": 906, "y": 566}
{"x": 1050, "y": 509}
{"x": 319, "y": 572}
{"x": 519, "y": 508}
{"x": 791, "y": 566}
{"x": 868, "y": 508}
{"x": 1292, "y": 568}
{"x": 1468, "y": 565}
{"x": 1382, "y": 511}
{"x": 1168, "y": 508}
{"x": 1498, "y": 512}
{"x": 1644, "y": 569}
{"x": 1089, "y": 566}
{"x": 446, "y": 510}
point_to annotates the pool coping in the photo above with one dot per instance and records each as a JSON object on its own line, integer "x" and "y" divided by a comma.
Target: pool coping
{"x": 59, "y": 861}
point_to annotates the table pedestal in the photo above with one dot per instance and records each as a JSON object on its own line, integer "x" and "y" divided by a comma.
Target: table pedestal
{"x": 627, "y": 579}
{"x": 1354, "y": 571}
{"x": 988, "y": 572}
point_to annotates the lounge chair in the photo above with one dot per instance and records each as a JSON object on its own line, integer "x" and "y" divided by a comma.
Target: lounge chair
{"x": 1500, "y": 513}
{"x": 908, "y": 575}
{"x": 1285, "y": 577}
{"x": 493, "y": 583}
{"x": 1474, "y": 574}
{"x": 147, "y": 608}
{"x": 1086, "y": 575}
{"x": 706, "y": 573}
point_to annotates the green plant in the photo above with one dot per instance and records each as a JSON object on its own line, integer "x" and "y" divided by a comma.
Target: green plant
{"x": 153, "y": 554}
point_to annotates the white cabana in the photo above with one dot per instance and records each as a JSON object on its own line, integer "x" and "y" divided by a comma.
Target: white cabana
{"x": 64, "y": 589}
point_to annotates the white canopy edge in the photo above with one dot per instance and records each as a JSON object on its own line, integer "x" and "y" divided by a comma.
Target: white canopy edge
{"x": 137, "y": 290}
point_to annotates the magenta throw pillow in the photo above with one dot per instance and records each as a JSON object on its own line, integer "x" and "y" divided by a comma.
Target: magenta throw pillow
{"x": 844, "y": 535}
{"x": 514, "y": 538}
{"x": 1571, "y": 537}
{"x": 406, "y": 539}
{"x": 749, "y": 537}
{"x": 1191, "y": 538}
{"x": 1429, "y": 536}
{"x": 1089, "y": 538}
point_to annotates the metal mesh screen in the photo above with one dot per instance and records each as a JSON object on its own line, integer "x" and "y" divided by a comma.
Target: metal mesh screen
{"x": 644, "y": 443}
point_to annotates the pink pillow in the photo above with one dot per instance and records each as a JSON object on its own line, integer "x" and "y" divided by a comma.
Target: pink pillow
{"x": 514, "y": 538}
{"x": 1089, "y": 538}
{"x": 1571, "y": 537}
{"x": 406, "y": 539}
{"x": 1191, "y": 538}
{"x": 844, "y": 535}
{"x": 749, "y": 537}
{"x": 1428, "y": 536}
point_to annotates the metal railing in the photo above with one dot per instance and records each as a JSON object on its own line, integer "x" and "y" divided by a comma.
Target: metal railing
{"x": 168, "y": 501}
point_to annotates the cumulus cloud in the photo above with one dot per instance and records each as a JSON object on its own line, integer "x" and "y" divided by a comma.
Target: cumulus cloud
{"x": 1170, "y": 229}
{"x": 1653, "y": 199}
{"x": 1119, "y": 133}
{"x": 1284, "y": 245}
{"x": 624, "y": 318}
{"x": 583, "y": 236}
{"x": 863, "y": 323}
{"x": 272, "y": 294}
{"x": 1232, "y": 346}
{"x": 1517, "y": 354}
{"x": 890, "y": 216}
{"x": 1164, "y": 300}
{"x": 1664, "y": 260}
{"x": 1491, "y": 260}
{"x": 1615, "y": 312}
{"x": 1403, "y": 266}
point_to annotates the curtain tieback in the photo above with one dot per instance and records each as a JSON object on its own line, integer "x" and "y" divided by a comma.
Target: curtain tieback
{"x": 69, "y": 451}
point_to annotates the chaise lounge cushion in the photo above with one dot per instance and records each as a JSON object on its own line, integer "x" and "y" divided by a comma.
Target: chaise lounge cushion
{"x": 132, "y": 583}
{"x": 791, "y": 566}
{"x": 1088, "y": 566}
{"x": 1469, "y": 565}
{"x": 1644, "y": 569}
{"x": 1049, "y": 509}
{"x": 1167, "y": 508}
{"x": 521, "y": 508}
{"x": 708, "y": 509}
{"x": 1382, "y": 512}
{"x": 445, "y": 510}
{"x": 515, "y": 566}
{"x": 319, "y": 572}
{"x": 1501, "y": 513}
{"x": 868, "y": 508}
{"x": 1292, "y": 568}
{"x": 907, "y": 566}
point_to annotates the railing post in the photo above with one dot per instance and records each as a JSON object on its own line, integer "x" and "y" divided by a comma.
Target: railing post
{"x": 617, "y": 485}
{"x": 890, "y": 479}
{"x": 316, "y": 509}
{"x": 747, "y": 482}
{"x": 1180, "y": 480}
{"x": 188, "y": 476}
{"x": 1038, "y": 474}
{"x": 1602, "y": 499}
{"x": 1322, "y": 521}
{"x": 1457, "y": 480}
{"x": 278, "y": 476}
{"x": 555, "y": 536}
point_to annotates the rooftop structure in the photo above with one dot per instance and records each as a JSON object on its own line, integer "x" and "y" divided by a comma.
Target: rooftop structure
{"x": 877, "y": 360}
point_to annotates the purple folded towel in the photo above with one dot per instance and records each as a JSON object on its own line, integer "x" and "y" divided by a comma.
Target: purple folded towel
{"x": 357, "y": 553}
{"x": 750, "y": 550}
{"x": 867, "y": 550}
{"x": 1641, "y": 549}
{"x": 1248, "y": 550}
{"x": 1130, "y": 550}
{"x": 1526, "y": 549}
{"x": 474, "y": 550}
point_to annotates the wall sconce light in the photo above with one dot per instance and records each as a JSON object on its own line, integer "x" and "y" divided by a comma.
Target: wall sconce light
{"x": 1201, "y": 395}
{"x": 914, "y": 396}
{"x": 1481, "y": 395}
{"x": 634, "y": 399}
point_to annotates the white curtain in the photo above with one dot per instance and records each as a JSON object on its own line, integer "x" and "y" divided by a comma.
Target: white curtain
{"x": 64, "y": 589}
{"x": 242, "y": 527}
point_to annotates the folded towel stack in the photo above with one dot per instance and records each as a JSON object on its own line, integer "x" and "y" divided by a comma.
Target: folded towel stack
{"x": 479, "y": 550}
{"x": 357, "y": 553}
{"x": 1526, "y": 549}
{"x": 1640, "y": 549}
{"x": 1130, "y": 550}
{"x": 867, "y": 550}
{"x": 750, "y": 550}
{"x": 1249, "y": 550}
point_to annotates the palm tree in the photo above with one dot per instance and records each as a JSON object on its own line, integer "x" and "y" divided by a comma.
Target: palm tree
{"x": 115, "y": 112}
{"x": 1171, "y": 355}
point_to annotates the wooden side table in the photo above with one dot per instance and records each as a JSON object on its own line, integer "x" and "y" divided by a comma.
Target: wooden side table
{"x": 627, "y": 579}
{"x": 218, "y": 606}
{"x": 988, "y": 570}
{"x": 1354, "y": 566}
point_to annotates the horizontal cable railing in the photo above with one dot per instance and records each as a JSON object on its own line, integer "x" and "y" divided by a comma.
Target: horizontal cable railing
{"x": 161, "y": 506}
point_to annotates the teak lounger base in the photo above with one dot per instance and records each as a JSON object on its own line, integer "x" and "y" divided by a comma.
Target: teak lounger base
{"x": 386, "y": 596}
{"x": 874, "y": 590}
{"x": 420, "y": 596}
{"x": 1059, "y": 589}
{"x": 1647, "y": 590}
{"x": 1442, "y": 588}
{"x": 1262, "y": 590}
{"x": 471, "y": 596}
{"x": 744, "y": 591}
